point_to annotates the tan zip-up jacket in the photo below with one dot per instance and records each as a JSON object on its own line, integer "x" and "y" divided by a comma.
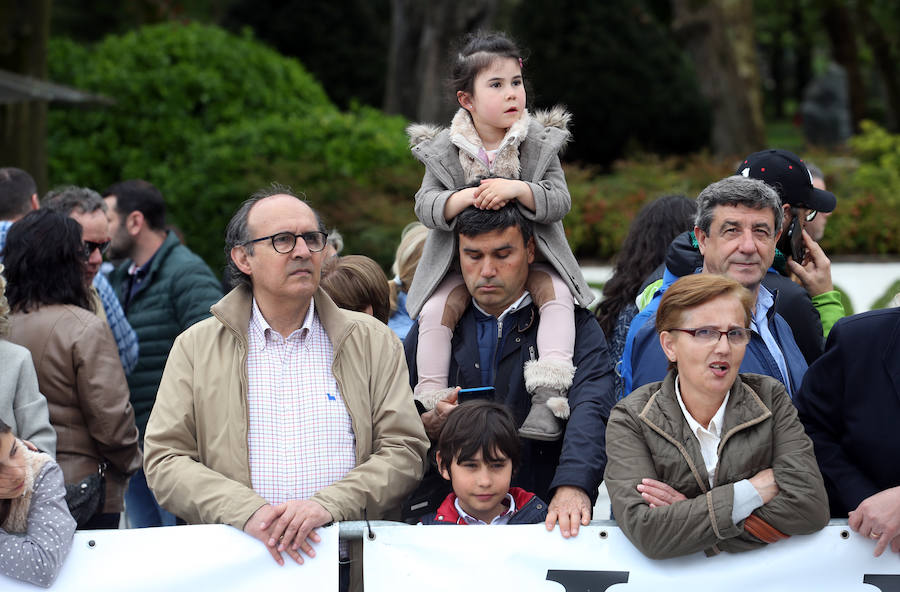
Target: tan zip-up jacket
{"x": 648, "y": 436}
{"x": 197, "y": 457}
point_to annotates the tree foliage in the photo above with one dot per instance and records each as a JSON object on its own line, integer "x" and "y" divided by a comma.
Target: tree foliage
{"x": 210, "y": 117}
{"x": 619, "y": 71}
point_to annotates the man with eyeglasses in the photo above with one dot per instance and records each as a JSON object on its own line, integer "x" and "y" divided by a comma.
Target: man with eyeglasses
{"x": 164, "y": 288}
{"x": 738, "y": 224}
{"x": 803, "y": 307}
{"x": 283, "y": 413}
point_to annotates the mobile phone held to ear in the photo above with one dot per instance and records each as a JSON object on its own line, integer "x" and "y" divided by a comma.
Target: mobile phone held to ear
{"x": 473, "y": 394}
{"x": 795, "y": 234}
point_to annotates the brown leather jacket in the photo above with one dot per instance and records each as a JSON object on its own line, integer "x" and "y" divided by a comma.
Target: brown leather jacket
{"x": 648, "y": 436}
{"x": 80, "y": 373}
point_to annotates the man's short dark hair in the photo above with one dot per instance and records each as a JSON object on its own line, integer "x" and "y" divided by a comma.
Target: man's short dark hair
{"x": 238, "y": 232}
{"x": 137, "y": 195}
{"x": 16, "y": 189}
{"x": 482, "y": 426}
{"x": 473, "y": 222}
{"x": 69, "y": 197}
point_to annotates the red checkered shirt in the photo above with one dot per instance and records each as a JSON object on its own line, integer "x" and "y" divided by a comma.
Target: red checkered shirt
{"x": 301, "y": 438}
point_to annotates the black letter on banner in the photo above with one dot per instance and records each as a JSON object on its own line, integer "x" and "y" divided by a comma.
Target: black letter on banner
{"x": 885, "y": 583}
{"x": 587, "y": 581}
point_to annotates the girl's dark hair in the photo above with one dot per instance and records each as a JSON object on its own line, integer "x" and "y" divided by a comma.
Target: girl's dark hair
{"x": 479, "y": 425}
{"x": 4, "y": 429}
{"x": 44, "y": 260}
{"x": 644, "y": 248}
{"x": 479, "y": 50}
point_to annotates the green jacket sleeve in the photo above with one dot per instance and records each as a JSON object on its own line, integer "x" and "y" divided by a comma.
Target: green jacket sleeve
{"x": 830, "y": 309}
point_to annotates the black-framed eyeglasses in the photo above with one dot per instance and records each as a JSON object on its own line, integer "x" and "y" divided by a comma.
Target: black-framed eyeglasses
{"x": 710, "y": 335}
{"x": 284, "y": 242}
{"x": 89, "y": 247}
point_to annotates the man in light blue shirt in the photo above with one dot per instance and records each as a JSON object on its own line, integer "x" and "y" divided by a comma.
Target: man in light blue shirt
{"x": 738, "y": 223}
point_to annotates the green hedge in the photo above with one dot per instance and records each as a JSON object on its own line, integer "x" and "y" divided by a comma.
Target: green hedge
{"x": 210, "y": 117}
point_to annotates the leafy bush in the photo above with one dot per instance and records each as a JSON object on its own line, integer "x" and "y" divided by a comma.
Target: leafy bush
{"x": 210, "y": 117}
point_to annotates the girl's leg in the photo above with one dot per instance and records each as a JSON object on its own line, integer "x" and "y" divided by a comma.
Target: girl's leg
{"x": 439, "y": 316}
{"x": 549, "y": 377}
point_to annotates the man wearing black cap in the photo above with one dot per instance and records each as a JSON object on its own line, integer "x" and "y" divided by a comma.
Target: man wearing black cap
{"x": 802, "y": 202}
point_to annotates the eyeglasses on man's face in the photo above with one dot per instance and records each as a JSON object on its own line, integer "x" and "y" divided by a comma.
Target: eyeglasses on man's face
{"x": 90, "y": 246}
{"x": 284, "y": 242}
{"x": 710, "y": 335}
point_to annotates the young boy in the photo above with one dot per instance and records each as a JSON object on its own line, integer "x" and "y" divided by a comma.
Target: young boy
{"x": 478, "y": 452}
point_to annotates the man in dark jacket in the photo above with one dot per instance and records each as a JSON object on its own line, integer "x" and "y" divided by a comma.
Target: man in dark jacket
{"x": 491, "y": 343}
{"x": 164, "y": 289}
{"x": 850, "y": 406}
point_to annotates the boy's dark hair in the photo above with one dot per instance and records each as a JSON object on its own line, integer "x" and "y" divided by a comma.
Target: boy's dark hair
{"x": 16, "y": 189}
{"x": 137, "y": 195}
{"x": 4, "y": 428}
{"x": 479, "y": 50}
{"x": 479, "y": 426}
{"x": 473, "y": 222}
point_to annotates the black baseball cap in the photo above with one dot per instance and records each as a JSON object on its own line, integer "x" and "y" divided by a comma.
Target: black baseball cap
{"x": 787, "y": 174}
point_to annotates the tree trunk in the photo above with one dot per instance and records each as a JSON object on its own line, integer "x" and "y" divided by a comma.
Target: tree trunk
{"x": 838, "y": 21}
{"x": 25, "y": 27}
{"x": 802, "y": 49}
{"x": 718, "y": 36}
{"x": 884, "y": 61}
{"x": 422, "y": 34}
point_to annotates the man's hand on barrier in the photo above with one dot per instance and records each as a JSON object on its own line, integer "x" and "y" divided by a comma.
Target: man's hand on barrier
{"x": 815, "y": 272}
{"x": 291, "y": 527}
{"x": 435, "y": 419}
{"x": 878, "y": 517}
{"x": 659, "y": 494}
{"x": 254, "y": 527}
{"x": 764, "y": 482}
{"x": 570, "y": 506}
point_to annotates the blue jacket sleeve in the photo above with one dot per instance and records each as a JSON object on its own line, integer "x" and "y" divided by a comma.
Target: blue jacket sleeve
{"x": 583, "y": 457}
{"x": 648, "y": 362}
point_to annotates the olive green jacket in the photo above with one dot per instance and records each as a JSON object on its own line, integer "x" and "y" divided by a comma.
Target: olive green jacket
{"x": 197, "y": 456}
{"x": 648, "y": 437}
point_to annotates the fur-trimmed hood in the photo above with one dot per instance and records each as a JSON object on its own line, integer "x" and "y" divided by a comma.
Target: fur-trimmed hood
{"x": 556, "y": 116}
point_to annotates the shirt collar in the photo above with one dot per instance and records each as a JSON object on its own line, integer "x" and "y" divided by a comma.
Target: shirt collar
{"x": 764, "y": 301}
{"x": 264, "y": 332}
{"x": 523, "y": 301}
{"x": 715, "y": 424}
{"x": 503, "y": 515}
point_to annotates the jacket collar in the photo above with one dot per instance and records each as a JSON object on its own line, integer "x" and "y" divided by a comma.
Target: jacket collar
{"x": 234, "y": 309}
{"x": 663, "y": 415}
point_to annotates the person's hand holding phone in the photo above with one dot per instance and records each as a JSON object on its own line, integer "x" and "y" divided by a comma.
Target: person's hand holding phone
{"x": 434, "y": 420}
{"x": 815, "y": 272}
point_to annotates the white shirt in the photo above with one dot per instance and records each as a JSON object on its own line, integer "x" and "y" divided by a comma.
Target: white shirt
{"x": 746, "y": 498}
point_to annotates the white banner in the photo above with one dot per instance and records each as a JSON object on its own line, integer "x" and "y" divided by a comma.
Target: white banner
{"x": 527, "y": 557}
{"x": 188, "y": 559}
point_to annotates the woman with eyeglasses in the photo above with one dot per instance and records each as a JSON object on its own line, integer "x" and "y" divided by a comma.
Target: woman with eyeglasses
{"x": 77, "y": 364}
{"x": 710, "y": 460}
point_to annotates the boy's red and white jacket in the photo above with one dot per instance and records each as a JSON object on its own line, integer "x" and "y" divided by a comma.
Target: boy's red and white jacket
{"x": 530, "y": 509}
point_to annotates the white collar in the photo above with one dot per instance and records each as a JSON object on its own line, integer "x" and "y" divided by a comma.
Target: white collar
{"x": 715, "y": 424}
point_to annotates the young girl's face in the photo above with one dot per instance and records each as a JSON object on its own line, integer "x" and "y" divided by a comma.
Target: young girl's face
{"x": 12, "y": 467}
{"x": 498, "y": 97}
{"x": 481, "y": 485}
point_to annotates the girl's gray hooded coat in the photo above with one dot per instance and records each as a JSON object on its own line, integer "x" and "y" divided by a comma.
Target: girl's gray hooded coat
{"x": 529, "y": 152}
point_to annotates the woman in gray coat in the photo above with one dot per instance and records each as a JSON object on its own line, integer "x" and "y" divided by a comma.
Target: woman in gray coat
{"x": 708, "y": 459}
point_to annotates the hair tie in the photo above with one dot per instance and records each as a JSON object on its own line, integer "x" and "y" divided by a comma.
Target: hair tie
{"x": 520, "y": 64}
